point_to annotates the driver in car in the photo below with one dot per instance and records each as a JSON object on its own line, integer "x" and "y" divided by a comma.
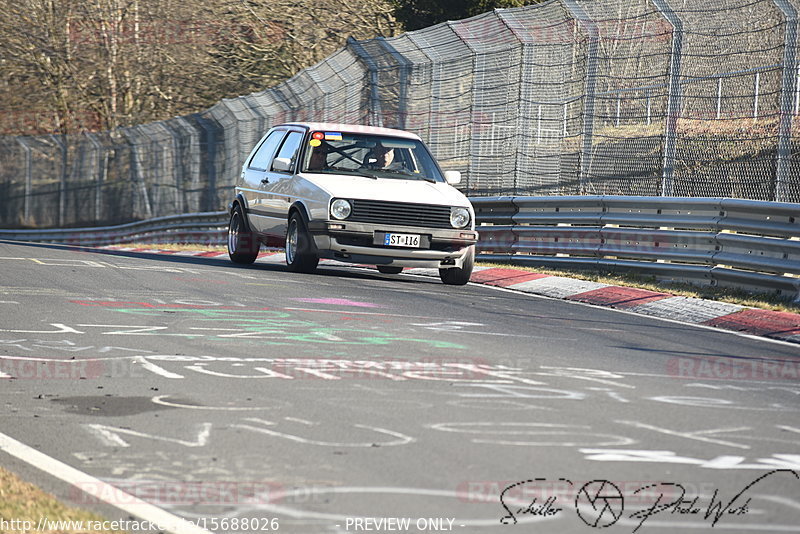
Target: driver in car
{"x": 382, "y": 158}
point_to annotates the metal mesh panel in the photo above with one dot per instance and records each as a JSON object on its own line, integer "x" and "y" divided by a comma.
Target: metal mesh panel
{"x": 731, "y": 79}
{"x": 495, "y": 101}
{"x": 227, "y": 154}
{"x": 626, "y": 97}
{"x": 451, "y": 80}
{"x": 418, "y": 85}
{"x": 349, "y": 99}
{"x": 390, "y": 78}
{"x": 633, "y": 58}
{"x": 186, "y": 141}
{"x": 551, "y": 93}
{"x": 46, "y": 177}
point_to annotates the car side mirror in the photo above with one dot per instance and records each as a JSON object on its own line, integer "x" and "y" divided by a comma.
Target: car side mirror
{"x": 452, "y": 177}
{"x": 282, "y": 165}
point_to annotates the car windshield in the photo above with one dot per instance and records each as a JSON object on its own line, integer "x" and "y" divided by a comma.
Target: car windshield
{"x": 371, "y": 156}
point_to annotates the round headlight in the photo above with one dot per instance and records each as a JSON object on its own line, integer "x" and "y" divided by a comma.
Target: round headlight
{"x": 459, "y": 217}
{"x": 340, "y": 209}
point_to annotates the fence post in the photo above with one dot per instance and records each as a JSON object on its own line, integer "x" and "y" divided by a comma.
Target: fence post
{"x": 62, "y": 180}
{"x": 591, "y": 83}
{"x": 797, "y": 92}
{"x": 28, "y": 179}
{"x": 674, "y": 98}
{"x": 755, "y": 99}
{"x": 98, "y": 192}
{"x": 782, "y": 170}
{"x": 374, "y": 99}
{"x": 539, "y": 126}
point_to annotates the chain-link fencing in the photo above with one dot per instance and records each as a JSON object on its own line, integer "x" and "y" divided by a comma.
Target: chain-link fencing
{"x": 567, "y": 97}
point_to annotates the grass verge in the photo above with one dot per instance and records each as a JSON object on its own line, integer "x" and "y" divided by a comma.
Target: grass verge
{"x": 22, "y": 502}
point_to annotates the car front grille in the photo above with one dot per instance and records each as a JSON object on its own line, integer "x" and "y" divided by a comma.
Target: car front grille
{"x": 400, "y": 213}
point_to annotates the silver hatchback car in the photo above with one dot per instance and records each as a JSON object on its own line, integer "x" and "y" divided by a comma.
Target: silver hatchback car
{"x": 352, "y": 193}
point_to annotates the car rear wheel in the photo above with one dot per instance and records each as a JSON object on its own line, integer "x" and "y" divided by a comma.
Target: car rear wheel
{"x": 458, "y": 276}
{"x": 243, "y": 244}
{"x": 389, "y": 269}
{"x": 301, "y": 255}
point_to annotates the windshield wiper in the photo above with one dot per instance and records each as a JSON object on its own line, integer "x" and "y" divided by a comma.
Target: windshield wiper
{"x": 356, "y": 172}
{"x": 410, "y": 174}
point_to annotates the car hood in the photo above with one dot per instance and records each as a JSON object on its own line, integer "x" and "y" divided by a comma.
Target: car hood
{"x": 388, "y": 189}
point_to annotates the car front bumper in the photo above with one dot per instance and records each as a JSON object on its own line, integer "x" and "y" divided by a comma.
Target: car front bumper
{"x": 363, "y": 243}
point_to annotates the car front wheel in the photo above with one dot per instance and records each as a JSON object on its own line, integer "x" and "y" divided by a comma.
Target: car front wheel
{"x": 458, "y": 276}
{"x": 243, "y": 244}
{"x": 301, "y": 255}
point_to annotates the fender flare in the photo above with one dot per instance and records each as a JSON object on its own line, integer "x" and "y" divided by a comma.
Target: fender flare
{"x": 299, "y": 207}
{"x": 242, "y": 203}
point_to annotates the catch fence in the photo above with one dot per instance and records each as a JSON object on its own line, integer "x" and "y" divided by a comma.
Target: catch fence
{"x": 675, "y": 98}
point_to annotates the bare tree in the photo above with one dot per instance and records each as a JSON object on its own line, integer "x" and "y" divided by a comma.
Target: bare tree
{"x": 270, "y": 41}
{"x": 36, "y": 57}
{"x": 113, "y": 63}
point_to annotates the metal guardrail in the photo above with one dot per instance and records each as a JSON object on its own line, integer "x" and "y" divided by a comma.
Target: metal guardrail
{"x": 744, "y": 243}
{"x": 728, "y": 242}
{"x": 199, "y": 228}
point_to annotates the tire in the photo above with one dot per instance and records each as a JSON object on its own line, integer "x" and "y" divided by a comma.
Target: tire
{"x": 389, "y": 269}
{"x": 301, "y": 254}
{"x": 243, "y": 244}
{"x": 458, "y": 276}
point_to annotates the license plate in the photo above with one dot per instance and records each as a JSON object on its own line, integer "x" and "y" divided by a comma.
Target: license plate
{"x": 401, "y": 240}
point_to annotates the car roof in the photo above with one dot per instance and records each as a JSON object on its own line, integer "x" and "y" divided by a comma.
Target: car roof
{"x": 352, "y": 128}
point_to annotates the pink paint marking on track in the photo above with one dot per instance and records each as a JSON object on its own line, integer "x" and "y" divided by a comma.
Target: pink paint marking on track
{"x": 340, "y": 302}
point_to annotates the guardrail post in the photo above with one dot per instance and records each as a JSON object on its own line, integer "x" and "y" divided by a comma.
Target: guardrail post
{"x": 591, "y": 83}
{"x": 782, "y": 171}
{"x": 674, "y": 98}
{"x": 374, "y": 99}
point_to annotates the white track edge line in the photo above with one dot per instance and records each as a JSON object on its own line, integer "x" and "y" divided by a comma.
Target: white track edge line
{"x": 80, "y": 480}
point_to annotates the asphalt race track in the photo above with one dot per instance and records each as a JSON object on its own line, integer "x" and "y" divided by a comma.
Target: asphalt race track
{"x": 350, "y": 401}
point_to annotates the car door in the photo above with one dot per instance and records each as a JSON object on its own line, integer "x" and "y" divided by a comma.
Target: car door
{"x": 255, "y": 178}
{"x": 277, "y": 188}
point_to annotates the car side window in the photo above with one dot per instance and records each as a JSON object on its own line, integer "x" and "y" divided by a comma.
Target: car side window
{"x": 263, "y": 155}
{"x": 291, "y": 147}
